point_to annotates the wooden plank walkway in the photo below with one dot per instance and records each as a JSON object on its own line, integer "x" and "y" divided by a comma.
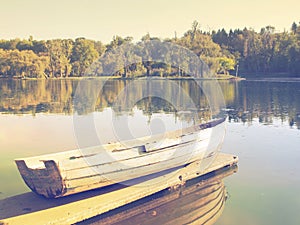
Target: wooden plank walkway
{"x": 29, "y": 208}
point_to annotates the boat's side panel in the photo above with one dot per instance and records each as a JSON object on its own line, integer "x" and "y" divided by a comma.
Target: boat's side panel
{"x": 145, "y": 164}
{"x": 106, "y": 163}
{"x": 100, "y": 180}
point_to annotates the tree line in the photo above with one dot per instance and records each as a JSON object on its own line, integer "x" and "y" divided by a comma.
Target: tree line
{"x": 266, "y": 51}
{"x": 253, "y": 52}
{"x": 51, "y": 58}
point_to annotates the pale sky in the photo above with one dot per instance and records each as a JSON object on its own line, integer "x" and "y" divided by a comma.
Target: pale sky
{"x": 102, "y": 19}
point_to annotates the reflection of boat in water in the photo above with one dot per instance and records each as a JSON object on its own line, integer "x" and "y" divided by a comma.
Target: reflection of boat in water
{"x": 200, "y": 201}
{"x": 70, "y": 172}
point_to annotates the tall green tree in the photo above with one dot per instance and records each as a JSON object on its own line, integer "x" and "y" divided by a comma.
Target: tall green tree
{"x": 294, "y": 28}
{"x": 83, "y": 55}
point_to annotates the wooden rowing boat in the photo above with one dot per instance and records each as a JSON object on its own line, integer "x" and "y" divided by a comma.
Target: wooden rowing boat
{"x": 70, "y": 172}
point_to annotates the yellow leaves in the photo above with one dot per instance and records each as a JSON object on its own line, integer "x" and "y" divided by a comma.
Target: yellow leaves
{"x": 16, "y": 63}
{"x": 225, "y": 64}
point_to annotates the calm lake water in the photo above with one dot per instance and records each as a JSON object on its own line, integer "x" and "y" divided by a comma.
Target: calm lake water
{"x": 263, "y": 129}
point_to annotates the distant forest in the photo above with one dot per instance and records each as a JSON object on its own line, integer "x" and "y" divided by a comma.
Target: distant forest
{"x": 265, "y": 52}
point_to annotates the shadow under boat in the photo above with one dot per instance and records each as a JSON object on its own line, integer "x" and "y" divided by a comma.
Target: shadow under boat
{"x": 199, "y": 201}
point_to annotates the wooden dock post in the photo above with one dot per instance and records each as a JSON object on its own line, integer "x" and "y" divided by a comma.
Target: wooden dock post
{"x": 31, "y": 209}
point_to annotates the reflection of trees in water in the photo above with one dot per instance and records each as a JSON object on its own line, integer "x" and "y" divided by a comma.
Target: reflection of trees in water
{"x": 266, "y": 101}
{"x": 36, "y": 96}
{"x": 63, "y": 96}
{"x": 248, "y": 100}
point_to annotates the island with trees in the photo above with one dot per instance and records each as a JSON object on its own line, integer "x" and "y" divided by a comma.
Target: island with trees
{"x": 251, "y": 52}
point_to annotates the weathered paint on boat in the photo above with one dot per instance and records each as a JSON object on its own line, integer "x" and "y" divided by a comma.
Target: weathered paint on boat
{"x": 70, "y": 172}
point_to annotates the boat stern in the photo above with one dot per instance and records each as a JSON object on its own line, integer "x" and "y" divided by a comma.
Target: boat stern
{"x": 44, "y": 180}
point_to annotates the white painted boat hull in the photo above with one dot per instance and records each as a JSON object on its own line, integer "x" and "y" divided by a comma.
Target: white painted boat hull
{"x": 70, "y": 172}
